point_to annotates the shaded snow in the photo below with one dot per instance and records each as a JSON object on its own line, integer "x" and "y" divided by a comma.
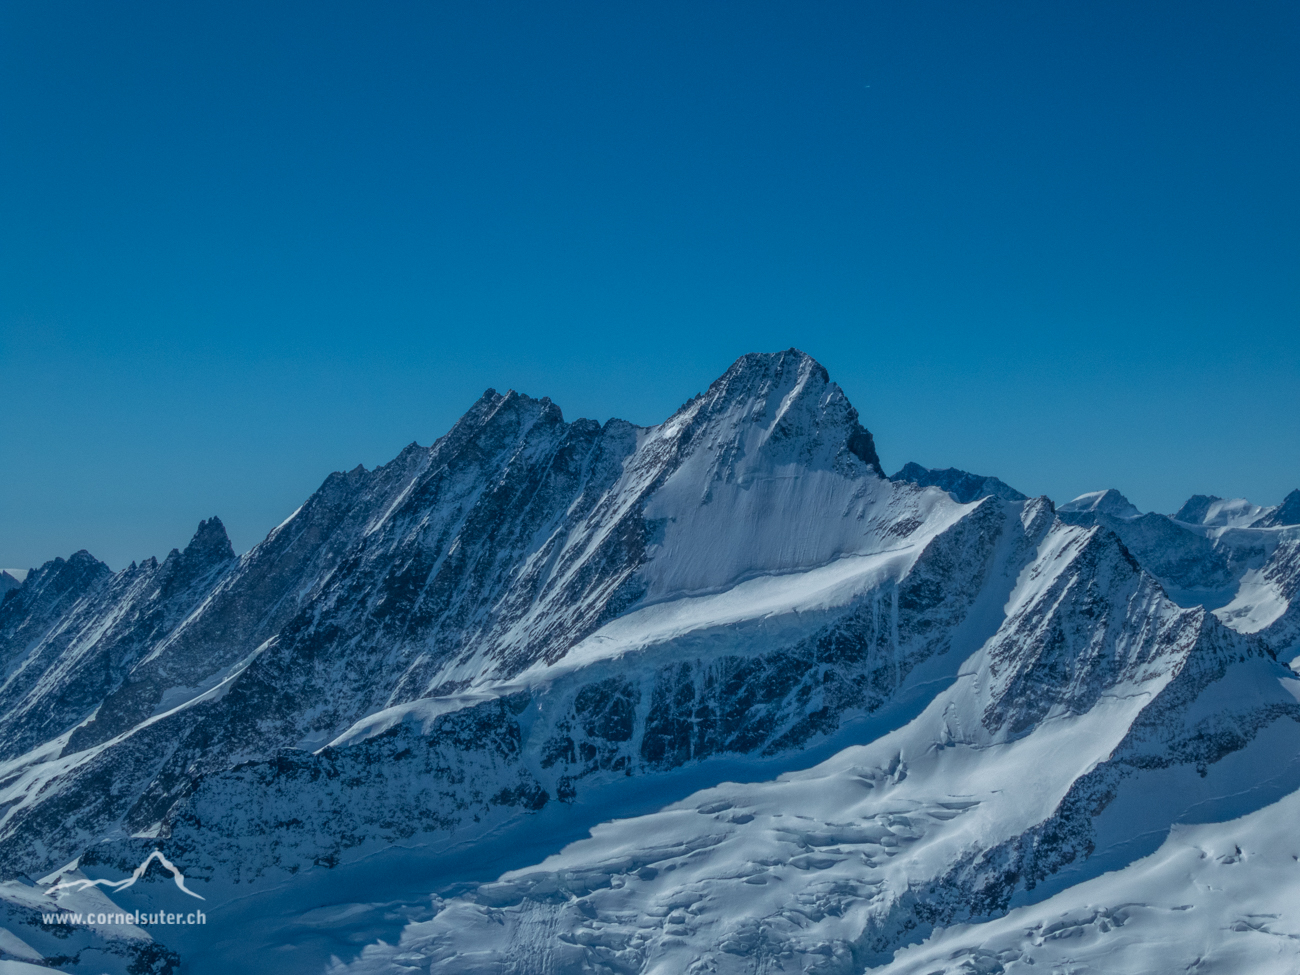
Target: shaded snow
{"x": 1222, "y": 897}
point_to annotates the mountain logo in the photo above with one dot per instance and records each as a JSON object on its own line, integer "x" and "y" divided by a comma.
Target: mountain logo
{"x": 136, "y": 875}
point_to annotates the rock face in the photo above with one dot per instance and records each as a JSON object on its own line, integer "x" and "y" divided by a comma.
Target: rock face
{"x": 499, "y": 642}
{"x": 1286, "y": 513}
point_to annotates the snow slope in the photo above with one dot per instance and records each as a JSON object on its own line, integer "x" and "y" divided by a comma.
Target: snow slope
{"x": 1220, "y": 897}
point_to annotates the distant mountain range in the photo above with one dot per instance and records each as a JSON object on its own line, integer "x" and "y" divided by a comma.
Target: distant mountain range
{"x": 711, "y": 696}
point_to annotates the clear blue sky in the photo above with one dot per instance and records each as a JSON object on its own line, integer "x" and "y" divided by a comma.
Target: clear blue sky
{"x": 245, "y": 244}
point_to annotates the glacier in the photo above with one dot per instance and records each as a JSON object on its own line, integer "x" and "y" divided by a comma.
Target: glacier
{"x": 716, "y": 695}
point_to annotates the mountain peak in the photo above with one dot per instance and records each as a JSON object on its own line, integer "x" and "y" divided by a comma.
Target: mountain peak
{"x": 771, "y": 365}
{"x": 209, "y": 547}
{"x": 1195, "y": 508}
{"x": 962, "y": 485}
{"x": 58, "y": 582}
{"x": 1286, "y": 513}
{"x": 1216, "y": 512}
{"x": 210, "y": 542}
{"x": 1108, "y": 502}
{"x": 791, "y": 395}
{"x": 8, "y": 580}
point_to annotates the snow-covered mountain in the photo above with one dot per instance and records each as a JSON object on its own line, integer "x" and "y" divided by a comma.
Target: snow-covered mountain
{"x": 964, "y": 487}
{"x": 714, "y": 695}
{"x": 1235, "y": 558}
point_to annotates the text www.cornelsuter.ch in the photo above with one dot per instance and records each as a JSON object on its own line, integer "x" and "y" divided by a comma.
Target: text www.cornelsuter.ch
{"x": 139, "y": 918}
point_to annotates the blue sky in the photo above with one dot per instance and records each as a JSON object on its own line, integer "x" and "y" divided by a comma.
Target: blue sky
{"x": 245, "y": 244}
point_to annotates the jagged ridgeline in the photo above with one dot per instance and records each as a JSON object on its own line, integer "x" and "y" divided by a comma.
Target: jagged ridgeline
{"x": 948, "y": 699}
